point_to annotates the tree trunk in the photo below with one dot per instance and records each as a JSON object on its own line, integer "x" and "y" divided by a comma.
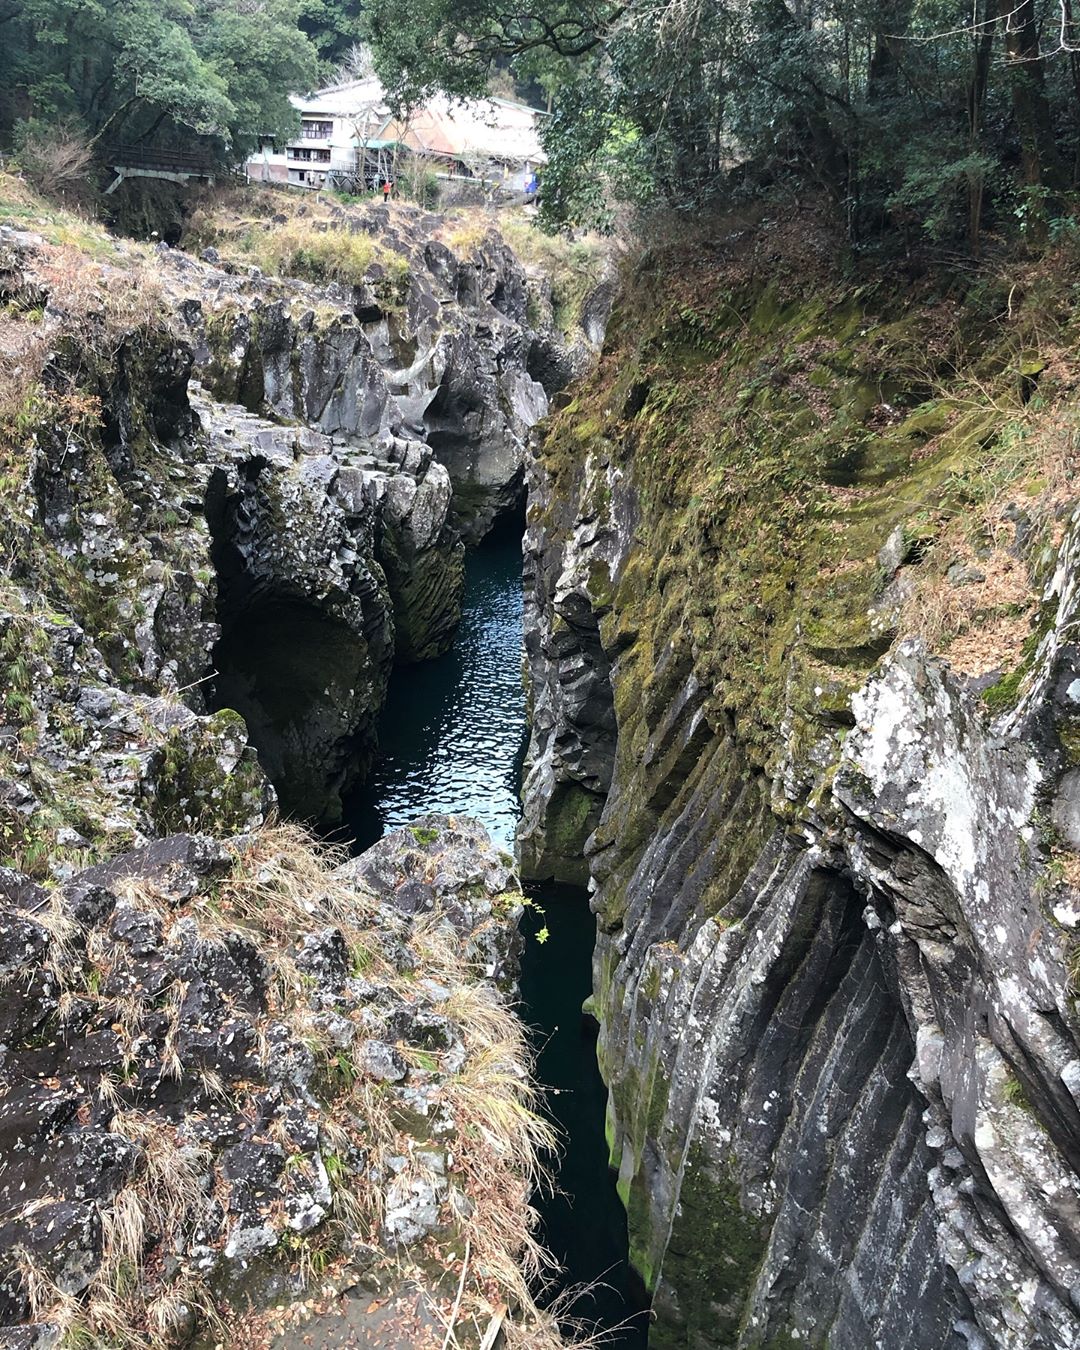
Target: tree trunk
{"x": 982, "y": 50}
{"x": 1031, "y": 107}
{"x": 1074, "y": 70}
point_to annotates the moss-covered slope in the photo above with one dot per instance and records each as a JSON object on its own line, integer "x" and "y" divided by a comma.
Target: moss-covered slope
{"x": 784, "y": 462}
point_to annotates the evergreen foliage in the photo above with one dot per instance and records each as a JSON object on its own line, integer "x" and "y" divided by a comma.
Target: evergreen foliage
{"x": 914, "y": 116}
{"x": 136, "y": 70}
{"x": 940, "y": 119}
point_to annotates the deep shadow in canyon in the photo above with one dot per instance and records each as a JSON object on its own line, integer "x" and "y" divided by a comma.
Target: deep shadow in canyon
{"x": 451, "y": 738}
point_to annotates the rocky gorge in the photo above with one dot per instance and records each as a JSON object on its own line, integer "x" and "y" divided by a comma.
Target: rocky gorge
{"x": 800, "y": 585}
{"x": 238, "y": 1066}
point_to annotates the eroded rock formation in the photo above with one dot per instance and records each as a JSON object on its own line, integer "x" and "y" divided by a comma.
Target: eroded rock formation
{"x": 836, "y": 962}
{"x": 228, "y": 1059}
{"x": 196, "y": 1035}
{"x": 301, "y": 536}
{"x": 444, "y": 349}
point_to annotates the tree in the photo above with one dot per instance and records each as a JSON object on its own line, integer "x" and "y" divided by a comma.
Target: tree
{"x": 907, "y": 113}
{"x": 454, "y": 45}
{"x": 140, "y": 69}
{"x": 1027, "y": 82}
{"x": 333, "y": 27}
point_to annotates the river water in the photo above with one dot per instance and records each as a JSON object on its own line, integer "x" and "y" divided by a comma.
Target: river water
{"x": 452, "y": 738}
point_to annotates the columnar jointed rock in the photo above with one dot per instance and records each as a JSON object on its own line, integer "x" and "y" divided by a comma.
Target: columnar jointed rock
{"x": 446, "y": 362}
{"x": 838, "y": 1008}
{"x": 572, "y": 727}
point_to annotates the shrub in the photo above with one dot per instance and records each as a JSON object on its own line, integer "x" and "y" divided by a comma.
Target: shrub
{"x": 57, "y": 159}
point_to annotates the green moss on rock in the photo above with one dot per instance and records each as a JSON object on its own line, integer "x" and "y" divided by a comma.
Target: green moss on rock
{"x": 779, "y": 433}
{"x": 206, "y": 778}
{"x": 712, "y": 1233}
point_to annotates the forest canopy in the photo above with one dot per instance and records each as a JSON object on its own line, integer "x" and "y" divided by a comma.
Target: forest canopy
{"x": 163, "y": 69}
{"x": 934, "y": 118}
{"x": 936, "y": 115}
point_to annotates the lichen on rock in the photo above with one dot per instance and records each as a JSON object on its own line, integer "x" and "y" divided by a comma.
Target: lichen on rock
{"x": 833, "y": 876}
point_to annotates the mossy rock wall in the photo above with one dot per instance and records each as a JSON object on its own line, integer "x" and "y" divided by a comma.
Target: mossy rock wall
{"x": 727, "y": 522}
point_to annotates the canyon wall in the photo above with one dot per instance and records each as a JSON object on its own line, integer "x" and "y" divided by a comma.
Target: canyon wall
{"x": 266, "y": 501}
{"x": 235, "y": 1067}
{"x": 799, "y": 633}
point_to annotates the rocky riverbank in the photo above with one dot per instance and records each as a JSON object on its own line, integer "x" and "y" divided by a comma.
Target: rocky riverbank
{"x": 236, "y": 1066}
{"x": 225, "y": 1057}
{"x": 801, "y": 570}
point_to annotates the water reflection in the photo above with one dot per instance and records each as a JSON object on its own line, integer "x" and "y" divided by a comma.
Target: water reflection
{"x": 452, "y": 735}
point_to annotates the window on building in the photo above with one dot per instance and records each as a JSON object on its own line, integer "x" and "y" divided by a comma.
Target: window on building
{"x": 317, "y": 131}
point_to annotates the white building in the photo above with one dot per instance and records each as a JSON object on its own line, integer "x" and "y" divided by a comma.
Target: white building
{"x": 332, "y": 123}
{"x": 349, "y": 139}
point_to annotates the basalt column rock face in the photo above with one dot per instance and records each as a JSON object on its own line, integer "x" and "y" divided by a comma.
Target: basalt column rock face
{"x": 834, "y": 888}
{"x": 572, "y": 725}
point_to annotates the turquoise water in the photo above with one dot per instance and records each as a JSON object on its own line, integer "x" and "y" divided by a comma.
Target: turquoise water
{"x": 451, "y": 739}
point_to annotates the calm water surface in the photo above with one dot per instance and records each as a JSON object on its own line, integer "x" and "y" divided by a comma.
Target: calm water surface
{"x": 453, "y": 733}
{"x": 451, "y": 739}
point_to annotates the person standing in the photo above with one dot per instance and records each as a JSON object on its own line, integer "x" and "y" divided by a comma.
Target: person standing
{"x": 386, "y": 189}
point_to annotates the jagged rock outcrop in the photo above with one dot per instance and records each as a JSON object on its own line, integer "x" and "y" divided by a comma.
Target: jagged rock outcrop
{"x": 437, "y": 347}
{"x": 229, "y": 1059}
{"x": 304, "y": 534}
{"x": 834, "y": 884}
{"x": 186, "y": 536}
{"x": 213, "y": 1050}
{"x": 309, "y": 616}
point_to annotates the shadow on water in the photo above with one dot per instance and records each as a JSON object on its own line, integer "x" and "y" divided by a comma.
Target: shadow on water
{"x": 584, "y": 1223}
{"x": 452, "y": 739}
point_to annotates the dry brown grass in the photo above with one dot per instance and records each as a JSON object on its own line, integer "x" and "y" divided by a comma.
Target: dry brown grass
{"x": 23, "y": 349}
{"x": 280, "y": 887}
{"x": 57, "y": 158}
{"x": 123, "y": 1306}
{"x": 979, "y": 626}
{"x": 1068, "y": 864}
{"x": 290, "y": 234}
{"x": 93, "y": 306}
